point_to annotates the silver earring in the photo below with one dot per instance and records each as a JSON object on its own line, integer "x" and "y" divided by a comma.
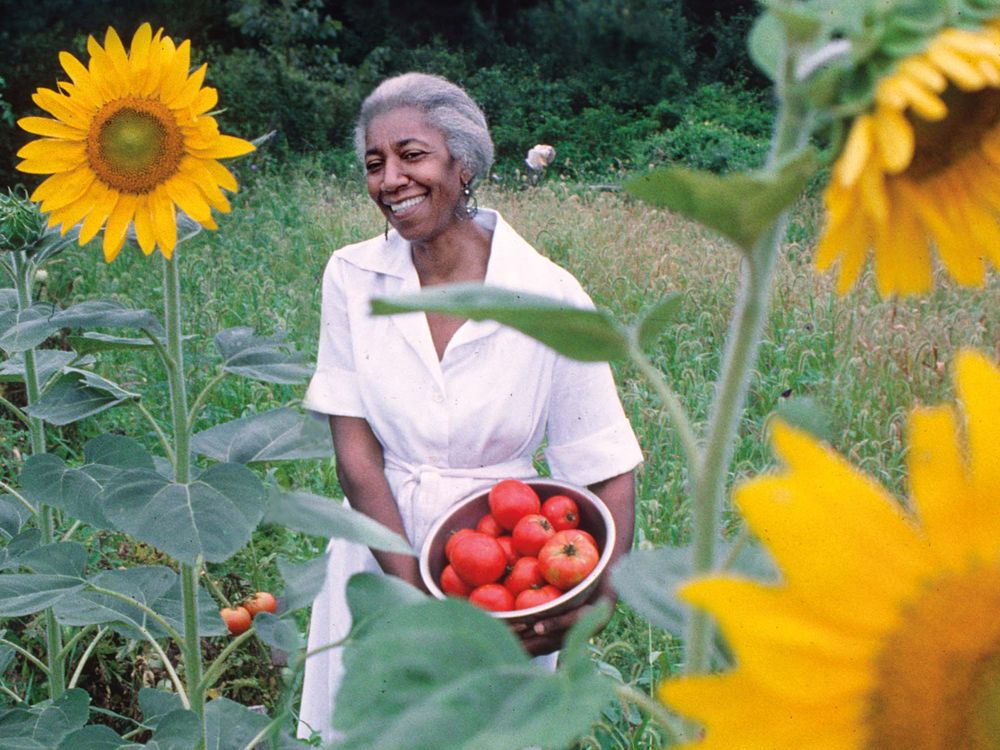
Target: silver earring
{"x": 471, "y": 204}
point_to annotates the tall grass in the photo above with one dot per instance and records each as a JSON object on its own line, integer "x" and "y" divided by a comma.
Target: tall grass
{"x": 862, "y": 362}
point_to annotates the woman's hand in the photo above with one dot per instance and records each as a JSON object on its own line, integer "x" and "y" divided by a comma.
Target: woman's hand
{"x": 546, "y": 636}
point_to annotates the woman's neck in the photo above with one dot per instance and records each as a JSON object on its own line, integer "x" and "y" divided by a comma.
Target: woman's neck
{"x": 460, "y": 254}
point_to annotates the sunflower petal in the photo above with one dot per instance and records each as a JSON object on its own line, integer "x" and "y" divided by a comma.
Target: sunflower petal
{"x": 62, "y": 108}
{"x": 957, "y": 68}
{"x": 857, "y": 151}
{"x": 104, "y": 203}
{"x": 895, "y": 139}
{"x": 64, "y": 188}
{"x": 144, "y": 226}
{"x": 118, "y": 221}
{"x": 222, "y": 176}
{"x": 205, "y": 100}
{"x": 51, "y": 128}
{"x": 164, "y": 221}
{"x": 189, "y": 199}
{"x": 189, "y": 91}
{"x": 978, "y": 383}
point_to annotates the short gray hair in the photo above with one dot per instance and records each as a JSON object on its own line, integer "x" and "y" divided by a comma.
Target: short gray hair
{"x": 449, "y": 109}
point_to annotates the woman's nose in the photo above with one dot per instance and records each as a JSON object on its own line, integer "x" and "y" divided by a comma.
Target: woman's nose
{"x": 393, "y": 175}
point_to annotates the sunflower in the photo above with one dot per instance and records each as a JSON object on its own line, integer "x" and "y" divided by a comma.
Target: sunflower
{"x": 129, "y": 140}
{"x": 884, "y": 632}
{"x": 922, "y": 164}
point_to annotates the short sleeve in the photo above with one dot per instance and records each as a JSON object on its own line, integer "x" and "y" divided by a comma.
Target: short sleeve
{"x": 589, "y": 437}
{"x": 334, "y": 387}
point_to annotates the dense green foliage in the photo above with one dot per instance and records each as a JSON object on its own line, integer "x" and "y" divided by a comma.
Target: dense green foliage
{"x": 612, "y": 84}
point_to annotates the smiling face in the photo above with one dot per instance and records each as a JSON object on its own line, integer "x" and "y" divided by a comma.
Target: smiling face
{"x": 412, "y": 177}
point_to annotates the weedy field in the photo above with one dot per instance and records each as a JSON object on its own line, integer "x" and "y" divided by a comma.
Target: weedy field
{"x": 848, "y": 369}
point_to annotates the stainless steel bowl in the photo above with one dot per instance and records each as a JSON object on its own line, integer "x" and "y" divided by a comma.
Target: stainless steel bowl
{"x": 594, "y": 518}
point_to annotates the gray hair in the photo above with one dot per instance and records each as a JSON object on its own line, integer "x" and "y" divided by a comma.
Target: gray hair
{"x": 448, "y": 108}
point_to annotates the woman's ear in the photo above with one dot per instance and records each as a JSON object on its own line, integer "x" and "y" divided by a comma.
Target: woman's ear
{"x": 465, "y": 176}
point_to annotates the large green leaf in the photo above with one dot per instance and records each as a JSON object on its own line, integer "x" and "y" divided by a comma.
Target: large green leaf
{"x": 20, "y": 545}
{"x": 648, "y": 579}
{"x": 171, "y": 607}
{"x": 267, "y": 358}
{"x": 231, "y": 726}
{"x": 117, "y": 451}
{"x": 458, "y": 680}
{"x": 56, "y": 558}
{"x": 578, "y": 333}
{"x": 178, "y": 730}
{"x": 47, "y": 479}
{"x": 281, "y": 434}
{"x": 155, "y": 704}
{"x": 77, "y": 395}
{"x": 212, "y": 516}
{"x": 372, "y": 598}
{"x": 303, "y": 581}
{"x": 277, "y": 632}
{"x": 13, "y": 516}
{"x": 740, "y": 206}
{"x": 96, "y": 737}
{"x": 26, "y": 329}
{"x": 27, "y": 593}
{"x": 47, "y": 363}
{"x": 44, "y": 725}
{"x": 145, "y": 585}
{"x": 322, "y": 516}
{"x": 8, "y": 299}
{"x": 656, "y": 317}
{"x": 103, "y": 313}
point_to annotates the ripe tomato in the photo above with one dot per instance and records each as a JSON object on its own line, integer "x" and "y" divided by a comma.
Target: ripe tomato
{"x": 535, "y": 597}
{"x": 567, "y": 558}
{"x": 450, "y": 544}
{"x": 488, "y": 525}
{"x": 493, "y": 597}
{"x": 510, "y": 499}
{"x": 451, "y": 584}
{"x": 237, "y": 619}
{"x": 478, "y": 559}
{"x": 262, "y": 601}
{"x": 562, "y": 512}
{"x": 531, "y": 532}
{"x": 507, "y": 544}
{"x": 524, "y": 575}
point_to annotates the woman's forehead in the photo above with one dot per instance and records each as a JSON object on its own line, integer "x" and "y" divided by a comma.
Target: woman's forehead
{"x": 401, "y": 125}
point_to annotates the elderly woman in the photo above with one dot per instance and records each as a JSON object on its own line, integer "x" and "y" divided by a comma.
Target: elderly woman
{"x": 423, "y": 408}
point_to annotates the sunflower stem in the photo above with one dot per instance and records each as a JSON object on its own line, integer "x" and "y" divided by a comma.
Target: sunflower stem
{"x": 182, "y": 474}
{"x": 742, "y": 345}
{"x": 36, "y": 430}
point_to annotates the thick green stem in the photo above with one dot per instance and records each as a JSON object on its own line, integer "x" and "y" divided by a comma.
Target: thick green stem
{"x": 738, "y": 362}
{"x": 182, "y": 474}
{"x": 36, "y": 430}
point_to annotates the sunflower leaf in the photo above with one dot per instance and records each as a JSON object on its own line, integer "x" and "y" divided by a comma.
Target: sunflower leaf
{"x": 267, "y": 358}
{"x": 579, "y": 333}
{"x": 277, "y": 435}
{"x": 656, "y": 317}
{"x": 44, "y": 725}
{"x": 77, "y": 395}
{"x": 47, "y": 363}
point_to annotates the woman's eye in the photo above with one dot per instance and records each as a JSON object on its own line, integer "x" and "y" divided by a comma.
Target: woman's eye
{"x": 372, "y": 166}
{"x": 411, "y": 155}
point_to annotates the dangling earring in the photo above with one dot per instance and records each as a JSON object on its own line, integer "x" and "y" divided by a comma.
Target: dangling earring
{"x": 471, "y": 204}
{"x": 386, "y": 230}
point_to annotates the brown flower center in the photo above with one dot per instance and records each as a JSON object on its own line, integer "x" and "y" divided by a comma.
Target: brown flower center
{"x": 937, "y": 684}
{"x": 939, "y": 145}
{"x": 134, "y": 145}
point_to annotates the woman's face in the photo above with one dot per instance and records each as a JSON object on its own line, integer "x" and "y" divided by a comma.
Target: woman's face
{"x": 412, "y": 177}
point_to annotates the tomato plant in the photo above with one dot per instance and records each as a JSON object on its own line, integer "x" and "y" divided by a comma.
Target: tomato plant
{"x": 478, "y": 559}
{"x": 510, "y": 500}
{"x": 567, "y": 558}
{"x": 262, "y": 601}
{"x": 562, "y": 512}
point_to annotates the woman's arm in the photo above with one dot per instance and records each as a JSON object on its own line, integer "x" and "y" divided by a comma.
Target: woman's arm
{"x": 618, "y": 493}
{"x": 360, "y": 469}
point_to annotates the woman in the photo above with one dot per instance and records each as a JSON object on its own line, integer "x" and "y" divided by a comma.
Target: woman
{"x": 424, "y": 409}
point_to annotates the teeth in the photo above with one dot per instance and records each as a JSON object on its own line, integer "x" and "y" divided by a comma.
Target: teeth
{"x": 403, "y": 205}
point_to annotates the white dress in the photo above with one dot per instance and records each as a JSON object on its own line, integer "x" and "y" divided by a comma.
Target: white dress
{"x": 452, "y": 426}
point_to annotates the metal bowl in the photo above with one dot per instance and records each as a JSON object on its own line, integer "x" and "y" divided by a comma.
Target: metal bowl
{"x": 594, "y": 518}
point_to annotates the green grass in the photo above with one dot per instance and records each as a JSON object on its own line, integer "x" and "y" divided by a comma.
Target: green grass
{"x": 863, "y": 362}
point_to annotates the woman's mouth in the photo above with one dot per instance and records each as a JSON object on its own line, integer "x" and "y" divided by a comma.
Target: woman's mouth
{"x": 405, "y": 204}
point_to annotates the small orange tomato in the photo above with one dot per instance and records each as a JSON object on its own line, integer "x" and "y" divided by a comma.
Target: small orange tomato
{"x": 262, "y": 601}
{"x": 237, "y": 619}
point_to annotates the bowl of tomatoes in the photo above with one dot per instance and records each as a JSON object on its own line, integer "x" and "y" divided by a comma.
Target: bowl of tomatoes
{"x": 523, "y": 550}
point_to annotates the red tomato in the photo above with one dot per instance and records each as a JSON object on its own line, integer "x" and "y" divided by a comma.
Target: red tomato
{"x": 478, "y": 559}
{"x": 567, "y": 558}
{"x": 493, "y": 597}
{"x": 510, "y": 499}
{"x": 562, "y": 512}
{"x": 508, "y": 549}
{"x": 450, "y": 544}
{"x": 451, "y": 584}
{"x": 531, "y": 532}
{"x": 534, "y": 597}
{"x": 524, "y": 575}
{"x": 262, "y": 601}
{"x": 237, "y": 619}
{"x": 488, "y": 525}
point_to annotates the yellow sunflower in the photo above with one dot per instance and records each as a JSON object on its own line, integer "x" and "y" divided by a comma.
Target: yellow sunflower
{"x": 885, "y": 630}
{"x": 922, "y": 165}
{"x": 129, "y": 139}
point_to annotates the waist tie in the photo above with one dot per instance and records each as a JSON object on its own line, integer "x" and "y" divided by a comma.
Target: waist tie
{"x": 421, "y": 499}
